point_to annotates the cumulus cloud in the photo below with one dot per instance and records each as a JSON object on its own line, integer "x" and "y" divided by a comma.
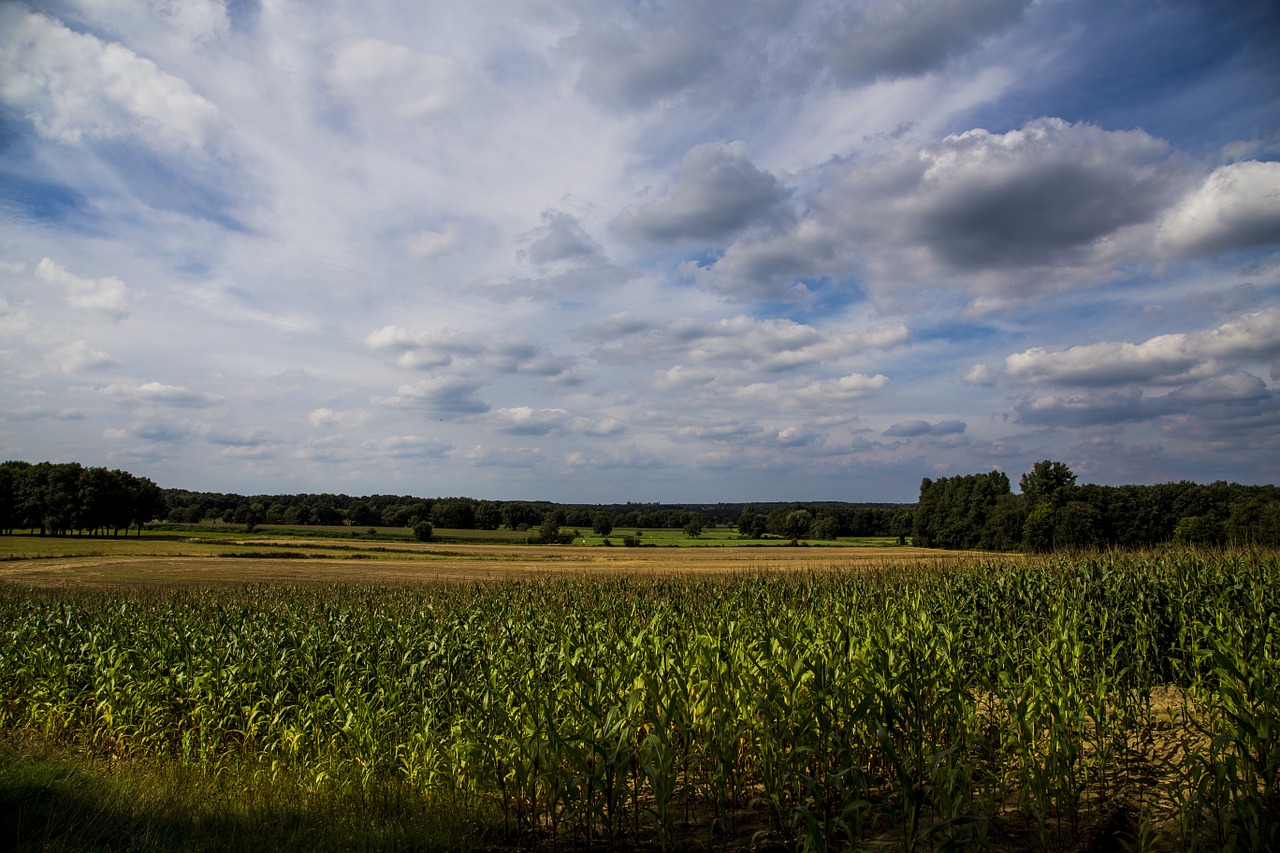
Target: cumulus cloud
{"x": 979, "y": 374}
{"x": 1163, "y": 359}
{"x": 105, "y": 295}
{"x": 560, "y": 238}
{"x": 803, "y": 391}
{"x": 74, "y": 87}
{"x": 525, "y": 420}
{"x": 717, "y": 192}
{"x": 889, "y": 38}
{"x": 78, "y": 356}
{"x": 408, "y": 447}
{"x": 747, "y": 343}
{"x": 1016, "y": 212}
{"x": 622, "y": 69}
{"x": 448, "y": 396}
{"x": 422, "y": 350}
{"x": 158, "y": 392}
{"x": 1236, "y": 208}
{"x": 1209, "y": 403}
{"x": 488, "y": 456}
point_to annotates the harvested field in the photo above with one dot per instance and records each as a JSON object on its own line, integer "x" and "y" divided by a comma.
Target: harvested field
{"x": 277, "y": 561}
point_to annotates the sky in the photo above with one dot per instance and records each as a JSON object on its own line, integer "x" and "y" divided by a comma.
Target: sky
{"x": 601, "y": 252}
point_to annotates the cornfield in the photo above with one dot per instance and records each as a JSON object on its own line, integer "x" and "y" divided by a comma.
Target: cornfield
{"x": 1045, "y": 704}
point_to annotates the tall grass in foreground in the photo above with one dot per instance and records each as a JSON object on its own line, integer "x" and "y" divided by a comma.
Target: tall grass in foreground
{"x": 1045, "y": 704}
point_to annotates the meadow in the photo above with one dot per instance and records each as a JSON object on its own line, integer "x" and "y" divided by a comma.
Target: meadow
{"x": 1065, "y": 702}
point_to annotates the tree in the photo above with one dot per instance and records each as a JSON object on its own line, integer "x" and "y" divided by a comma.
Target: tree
{"x": 1046, "y": 481}
{"x": 953, "y": 511}
{"x": 796, "y": 525}
{"x": 752, "y": 524}
{"x": 423, "y": 531}
{"x": 454, "y": 513}
{"x": 1038, "y": 529}
{"x": 1079, "y": 526}
{"x": 549, "y": 531}
{"x": 693, "y": 529}
{"x": 1003, "y": 529}
{"x": 824, "y": 527}
{"x": 1198, "y": 530}
{"x": 602, "y": 523}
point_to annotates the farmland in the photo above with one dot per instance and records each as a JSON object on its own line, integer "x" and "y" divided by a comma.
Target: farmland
{"x": 625, "y": 698}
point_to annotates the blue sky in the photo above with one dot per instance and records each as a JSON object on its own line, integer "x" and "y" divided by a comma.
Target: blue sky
{"x": 597, "y": 252}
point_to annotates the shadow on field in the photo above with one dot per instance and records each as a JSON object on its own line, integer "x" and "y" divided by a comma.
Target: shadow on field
{"x": 54, "y": 800}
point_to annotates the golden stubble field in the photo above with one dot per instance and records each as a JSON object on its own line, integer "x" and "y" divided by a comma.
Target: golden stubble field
{"x": 113, "y": 563}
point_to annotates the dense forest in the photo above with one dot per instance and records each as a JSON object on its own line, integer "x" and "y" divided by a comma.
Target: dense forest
{"x": 980, "y": 511}
{"x": 64, "y": 498}
{"x": 815, "y": 520}
{"x": 61, "y": 498}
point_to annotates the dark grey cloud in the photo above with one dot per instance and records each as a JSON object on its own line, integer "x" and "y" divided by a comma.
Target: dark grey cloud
{"x": 717, "y": 192}
{"x": 1208, "y": 406}
{"x": 910, "y": 429}
{"x": 159, "y": 432}
{"x": 1031, "y": 197}
{"x": 890, "y": 38}
{"x": 1019, "y": 211}
{"x": 447, "y": 396}
{"x": 627, "y": 69}
{"x": 421, "y": 350}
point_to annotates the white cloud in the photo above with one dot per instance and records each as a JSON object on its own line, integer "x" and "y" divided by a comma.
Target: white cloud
{"x": 980, "y": 374}
{"x": 159, "y": 392}
{"x": 1173, "y": 358}
{"x": 744, "y": 343}
{"x": 79, "y": 356}
{"x": 431, "y": 244}
{"x": 801, "y": 391}
{"x": 1236, "y": 208}
{"x": 105, "y": 295}
{"x": 408, "y": 447}
{"x": 397, "y": 80}
{"x": 74, "y": 87}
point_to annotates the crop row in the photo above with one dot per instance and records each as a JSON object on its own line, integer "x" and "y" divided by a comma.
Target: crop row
{"x": 989, "y": 704}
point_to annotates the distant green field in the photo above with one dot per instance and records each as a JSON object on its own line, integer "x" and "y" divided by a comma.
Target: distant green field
{"x": 175, "y": 540}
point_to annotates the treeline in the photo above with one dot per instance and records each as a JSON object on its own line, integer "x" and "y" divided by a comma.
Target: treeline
{"x": 60, "y": 498}
{"x": 980, "y": 511}
{"x": 824, "y": 521}
{"x": 793, "y": 520}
